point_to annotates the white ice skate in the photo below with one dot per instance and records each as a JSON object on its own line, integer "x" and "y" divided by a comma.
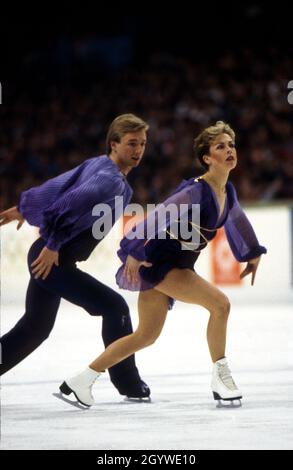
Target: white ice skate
{"x": 81, "y": 386}
{"x": 223, "y": 386}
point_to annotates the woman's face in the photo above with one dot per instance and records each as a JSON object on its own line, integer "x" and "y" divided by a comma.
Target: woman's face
{"x": 222, "y": 153}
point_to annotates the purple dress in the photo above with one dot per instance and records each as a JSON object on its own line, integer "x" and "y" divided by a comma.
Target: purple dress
{"x": 168, "y": 254}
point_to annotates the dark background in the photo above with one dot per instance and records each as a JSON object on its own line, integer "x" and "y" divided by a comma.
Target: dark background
{"x": 67, "y": 71}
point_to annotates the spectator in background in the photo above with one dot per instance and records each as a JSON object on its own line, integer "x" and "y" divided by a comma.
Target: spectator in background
{"x": 44, "y": 136}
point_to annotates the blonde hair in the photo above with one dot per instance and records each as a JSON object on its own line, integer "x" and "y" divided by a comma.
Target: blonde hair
{"x": 122, "y": 125}
{"x": 204, "y": 140}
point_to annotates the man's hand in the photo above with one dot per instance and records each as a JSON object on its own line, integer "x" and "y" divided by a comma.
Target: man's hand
{"x": 9, "y": 215}
{"x": 44, "y": 262}
{"x": 132, "y": 266}
{"x": 251, "y": 267}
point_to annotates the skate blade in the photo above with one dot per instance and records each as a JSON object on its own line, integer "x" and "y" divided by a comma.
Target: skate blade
{"x": 227, "y": 402}
{"x": 76, "y": 404}
{"x": 236, "y": 403}
{"x": 138, "y": 399}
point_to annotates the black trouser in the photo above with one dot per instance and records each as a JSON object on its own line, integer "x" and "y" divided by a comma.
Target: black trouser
{"x": 42, "y": 303}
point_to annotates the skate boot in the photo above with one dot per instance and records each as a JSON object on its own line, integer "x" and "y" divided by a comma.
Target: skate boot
{"x": 223, "y": 386}
{"x": 134, "y": 388}
{"x": 81, "y": 386}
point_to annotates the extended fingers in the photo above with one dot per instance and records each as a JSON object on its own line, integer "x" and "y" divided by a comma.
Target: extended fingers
{"x": 42, "y": 270}
{"x": 46, "y": 272}
{"x": 146, "y": 264}
{"x": 253, "y": 275}
{"x": 131, "y": 274}
{"x": 20, "y": 223}
{"x": 39, "y": 268}
{"x": 37, "y": 261}
{"x": 3, "y": 214}
{"x": 4, "y": 220}
{"x": 244, "y": 273}
{"x": 126, "y": 273}
{"x": 250, "y": 268}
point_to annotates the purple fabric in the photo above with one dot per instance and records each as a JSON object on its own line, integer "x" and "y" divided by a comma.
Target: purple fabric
{"x": 62, "y": 206}
{"x": 240, "y": 234}
{"x": 186, "y": 193}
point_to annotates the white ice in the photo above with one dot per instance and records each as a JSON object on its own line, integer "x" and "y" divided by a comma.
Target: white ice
{"x": 182, "y": 413}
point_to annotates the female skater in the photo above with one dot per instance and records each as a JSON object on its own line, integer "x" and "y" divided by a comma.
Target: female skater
{"x": 62, "y": 209}
{"x": 162, "y": 269}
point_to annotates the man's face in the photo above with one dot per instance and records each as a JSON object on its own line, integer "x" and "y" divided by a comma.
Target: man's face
{"x": 129, "y": 151}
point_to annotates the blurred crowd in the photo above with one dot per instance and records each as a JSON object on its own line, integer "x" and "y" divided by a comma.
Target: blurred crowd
{"x": 54, "y": 121}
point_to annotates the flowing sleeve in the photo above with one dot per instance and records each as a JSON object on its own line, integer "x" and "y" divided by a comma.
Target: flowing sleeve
{"x": 35, "y": 200}
{"x": 240, "y": 234}
{"x": 72, "y": 213}
{"x": 158, "y": 220}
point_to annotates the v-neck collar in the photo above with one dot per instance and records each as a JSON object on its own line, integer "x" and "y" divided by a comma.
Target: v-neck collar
{"x": 220, "y": 217}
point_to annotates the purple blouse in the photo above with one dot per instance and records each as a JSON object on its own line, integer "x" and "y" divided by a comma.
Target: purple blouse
{"x": 62, "y": 206}
{"x": 239, "y": 232}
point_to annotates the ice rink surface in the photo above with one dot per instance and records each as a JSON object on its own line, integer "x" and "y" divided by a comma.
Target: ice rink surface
{"x": 182, "y": 413}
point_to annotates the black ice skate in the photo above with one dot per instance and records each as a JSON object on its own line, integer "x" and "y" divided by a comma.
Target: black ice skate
{"x": 135, "y": 390}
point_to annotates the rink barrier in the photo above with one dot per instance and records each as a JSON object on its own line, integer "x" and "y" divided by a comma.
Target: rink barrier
{"x": 273, "y": 225}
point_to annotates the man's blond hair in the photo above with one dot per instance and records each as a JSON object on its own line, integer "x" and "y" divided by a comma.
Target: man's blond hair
{"x": 121, "y": 126}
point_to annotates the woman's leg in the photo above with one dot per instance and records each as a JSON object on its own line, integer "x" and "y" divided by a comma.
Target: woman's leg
{"x": 153, "y": 306}
{"x": 152, "y": 309}
{"x": 96, "y": 298}
{"x": 189, "y": 287}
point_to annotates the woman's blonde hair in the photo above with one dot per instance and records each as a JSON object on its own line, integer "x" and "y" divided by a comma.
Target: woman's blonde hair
{"x": 123, "y": 125}
{"x": 204, "y": 140}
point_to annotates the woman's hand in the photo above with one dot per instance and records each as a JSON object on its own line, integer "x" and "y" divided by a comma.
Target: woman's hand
{"x": 251, "y": 267}
{"x": 9, "y": 215}
{"x": 44, "y": 262}
{"x": 131, "y": 269}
